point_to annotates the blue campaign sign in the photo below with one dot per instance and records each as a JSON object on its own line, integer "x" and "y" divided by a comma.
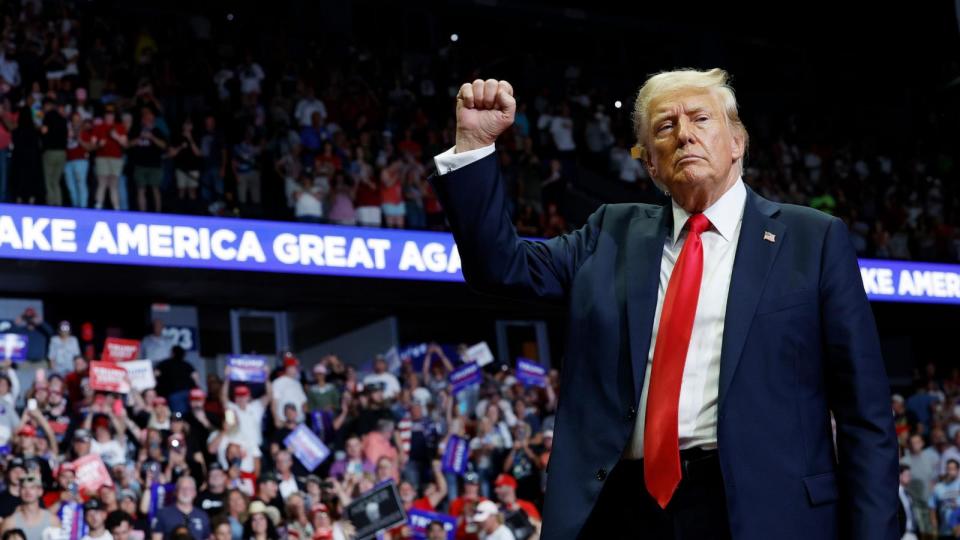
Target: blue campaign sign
{"x": 530, "y": 373}
{"x": 456, "y": 455}
{"x": 13, "y": 347}
{"x": 247, "y": 368}
{"x": 420, "y": 520}
{"x": 465, "y": 376}
{"x": 306, "y": 447}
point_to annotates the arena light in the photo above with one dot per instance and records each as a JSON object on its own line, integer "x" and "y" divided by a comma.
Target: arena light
{"x": 618, "y": 104}
{"x": 454, "y": 37}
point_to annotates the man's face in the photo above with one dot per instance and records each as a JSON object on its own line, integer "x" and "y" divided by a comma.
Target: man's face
{"x": 506, "y": 494}
{"x": 95, "y": 518}
{"x": 284, "y": 462}
{"x": 905, "y": 477}
{"x": 471, "y": 490}
{"x": 353, "y": 447}
{"x": 217, "y": 479}
{"x": 916, "y": 444}
{"x": 692, "y": 149}
{"x": 380, "y": 366}
{"x": 436, "y": 532}
{"x": 186, "y": 492}
{"x": 30, "y": 492}
{"x": 952, "y": 471}
{"x": 222, "y": 532}
{"x": 268, "y": 490}
{"x": 407, "y": 493}
{"x": 121, "y": 531}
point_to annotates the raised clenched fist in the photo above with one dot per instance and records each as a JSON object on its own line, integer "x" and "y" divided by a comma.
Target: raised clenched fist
{"x": 485, "y": 109}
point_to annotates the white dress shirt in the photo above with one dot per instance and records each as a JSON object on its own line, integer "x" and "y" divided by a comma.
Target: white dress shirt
{"x": 699, "y": 389}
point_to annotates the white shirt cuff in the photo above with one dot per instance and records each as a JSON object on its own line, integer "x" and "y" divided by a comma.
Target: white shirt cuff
{"x": 450, "y": 161}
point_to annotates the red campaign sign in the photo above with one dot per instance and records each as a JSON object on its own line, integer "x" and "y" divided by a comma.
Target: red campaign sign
{"x": 109, "y": 377}
{"x": 120, "y": 350}
{"x": 91, "y": 473}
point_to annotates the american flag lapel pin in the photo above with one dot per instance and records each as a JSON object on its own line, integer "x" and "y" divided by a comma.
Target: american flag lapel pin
{"x": 769, "y": 236}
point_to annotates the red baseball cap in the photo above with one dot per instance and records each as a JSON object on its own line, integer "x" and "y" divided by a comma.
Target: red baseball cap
{"x": 196, "y": 394}
{"x": 64, "y": 467}
{"x": 242, "y": 390}
{"x": 27, "y": 431}
{"x": 290, "y": 360}
{"x": 505, "y": 480}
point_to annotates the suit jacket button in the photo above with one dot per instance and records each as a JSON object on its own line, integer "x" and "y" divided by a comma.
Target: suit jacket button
{"x": 631, "y": 413}
{"x": 601, "y": 474}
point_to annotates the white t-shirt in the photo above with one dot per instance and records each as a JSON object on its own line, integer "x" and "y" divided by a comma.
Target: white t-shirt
{"x": 306, "y": 108}
{"x": 391, "y": 386}
{"x": 288, "y": 390}
{"x": 501, "y": 533}
{"x": 105, "y": 536}
{"x": 288, "y": 486}
{"x": 561, "y": 128}
{"x": 308, "y": 203}
{"x": 250, "y": 77}
{"x": 249, "y": 422}
{"x": 111, "y": 452}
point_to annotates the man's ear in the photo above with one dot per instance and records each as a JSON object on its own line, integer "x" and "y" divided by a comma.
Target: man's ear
{"x": 739, "y": 144}
{"x": 640, "y": 152}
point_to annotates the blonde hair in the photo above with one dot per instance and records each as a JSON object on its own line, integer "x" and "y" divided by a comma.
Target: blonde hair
{"x": 715, "y": 80}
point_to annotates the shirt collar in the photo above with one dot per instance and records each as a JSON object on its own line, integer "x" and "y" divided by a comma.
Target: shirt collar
{"x": 724, "y": 214}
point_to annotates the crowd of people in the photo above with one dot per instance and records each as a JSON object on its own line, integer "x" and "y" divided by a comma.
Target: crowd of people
{"x": 928, "y": 428}
{"x": 95, "y": 117}
{"x": 195, "y": 458}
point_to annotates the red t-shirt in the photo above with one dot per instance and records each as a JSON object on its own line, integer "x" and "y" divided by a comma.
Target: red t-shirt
{"x": 456, "y": 506}
{"x": 75, "y": 150}
{"x": 367, "y": 196}
{"x": 392, "y": 194}
{"x": 112, "y": 148}
{"x": 333, "y": 160}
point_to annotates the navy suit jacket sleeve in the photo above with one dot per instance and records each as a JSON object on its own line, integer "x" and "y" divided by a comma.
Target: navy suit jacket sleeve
{"x": 495, "y": 260}
{"x": 859, "y": 395}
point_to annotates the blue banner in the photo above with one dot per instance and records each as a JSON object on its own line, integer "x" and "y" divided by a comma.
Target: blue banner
{"x": 903, "y": 281}
{"x": 49, "y": 233}
{"x": 247, "y": 368}
{"x": 306, "y": 447}
{"x": 13, "y": 347}
{"x": 419, "y": 521}
{"x": 465, "y": 376}
{"x": 81, "y": 235}
{"x": 530, "y": 373}
{"x": 456, "y": 455}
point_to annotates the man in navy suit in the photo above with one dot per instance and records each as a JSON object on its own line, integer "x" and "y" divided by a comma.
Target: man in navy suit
{"x": 709, "y": 340}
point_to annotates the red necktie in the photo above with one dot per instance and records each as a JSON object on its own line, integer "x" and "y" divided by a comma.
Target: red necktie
{"x": 661, "y": 450}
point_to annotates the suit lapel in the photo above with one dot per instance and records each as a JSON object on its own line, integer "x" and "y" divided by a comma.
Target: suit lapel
{"x": 751, "y": 266}
{"x": 645, "y": 238}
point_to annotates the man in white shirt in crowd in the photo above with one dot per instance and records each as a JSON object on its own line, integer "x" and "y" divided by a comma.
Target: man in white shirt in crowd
{"x": 307, "y": 105}
{"x": 389, "y": 381}
{"x": 287, "y": 388}
{"x": 156, "y": 346}
{"x": 63, "y": 348}
{"x": 248, "y": 411}
{"x": 491, "y": 523}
